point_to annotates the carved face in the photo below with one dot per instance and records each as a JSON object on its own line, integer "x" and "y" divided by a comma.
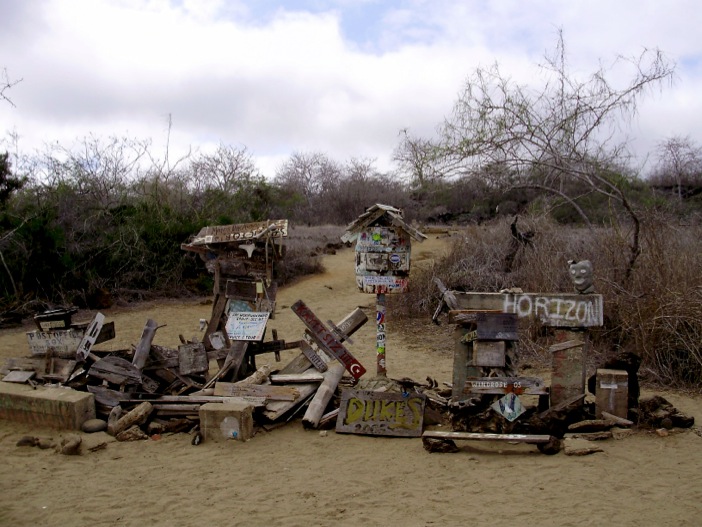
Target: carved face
{"x": 581, "y": 275}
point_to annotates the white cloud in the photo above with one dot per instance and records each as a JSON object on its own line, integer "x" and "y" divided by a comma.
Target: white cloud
{"x": 300, "y": 77}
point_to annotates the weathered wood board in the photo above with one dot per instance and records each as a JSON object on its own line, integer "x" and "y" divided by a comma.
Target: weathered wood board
{"x": 54, "y": 369}
{"x": 192, "y": 358}
{"x": 64, "y": 342}
{"x": 90, "y": 337}
{"x": 504, "y": 385}
{"x": 116, "y": 370}
{"x": 276, "y": 393}
{"x": 326, "y": 340}
{"x": 475, "y": 436}
{"x": 381, "y": 413}
{"x": 553, "y": 309}
{"x": 567, "y": 371}
{"x": 240, "y": 232}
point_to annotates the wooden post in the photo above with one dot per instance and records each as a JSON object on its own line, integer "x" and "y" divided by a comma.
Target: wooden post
{"x": 324, "y": 394}
{"x": 380, "y": 335}
{"x": 568, "y": 369}
{"x": 144, "y": 346}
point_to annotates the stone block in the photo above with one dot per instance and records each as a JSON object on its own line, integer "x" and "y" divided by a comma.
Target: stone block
{"x": 223, "y": 421}
{"x": 60, "y": 408}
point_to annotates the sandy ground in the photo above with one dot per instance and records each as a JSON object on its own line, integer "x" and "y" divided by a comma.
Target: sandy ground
{"x": 293, "y": 477}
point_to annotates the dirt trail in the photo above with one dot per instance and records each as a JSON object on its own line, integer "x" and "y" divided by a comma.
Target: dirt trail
{"x": 293, "y": 477}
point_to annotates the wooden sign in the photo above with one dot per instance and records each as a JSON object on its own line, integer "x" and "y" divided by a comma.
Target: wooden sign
{"x": 505, "y": 385}
{"x": 381, "y": 413}
{"x": 510, "y": 407}
{"x": 554, "y": 310}
{"x": 326, "y": 340}
{"x": 247, "y": 325}
{"x": 91, "y": 335}
{"x": 62, "y": 342}
{"x": 192, "y": 358}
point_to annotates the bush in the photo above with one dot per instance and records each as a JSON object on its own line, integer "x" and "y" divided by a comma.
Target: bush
{"x": 656, "y": 313}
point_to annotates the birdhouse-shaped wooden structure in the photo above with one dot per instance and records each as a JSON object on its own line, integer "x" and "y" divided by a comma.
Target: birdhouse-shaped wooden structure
{"x": 383, "y": 247}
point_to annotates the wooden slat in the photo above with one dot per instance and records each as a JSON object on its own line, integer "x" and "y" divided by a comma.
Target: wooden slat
{"x": 553, "y": 309}
{"x": 474, "y": 436}
{"x": 326, "y": 340}
{"x": 277, "y": 393}
{"x": 504, "y": 385}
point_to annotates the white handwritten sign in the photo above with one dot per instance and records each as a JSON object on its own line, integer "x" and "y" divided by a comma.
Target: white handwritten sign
{"x": 247, "y": 325}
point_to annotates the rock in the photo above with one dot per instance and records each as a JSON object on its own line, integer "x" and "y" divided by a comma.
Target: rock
{"x": 132, "y": 434}
{"x": 662, "y": 432}
{"x": 70, "y": 446}
{"x": 579, "y": 447}
{"x": 621, "y": 433}
{"x": 45, "y": 444}
{"x": 94, "y": 425}
{"x": 27, "y": 441}
{"x": 432, "y": 444}
{"x": 590, "y": 436}
{"x": 592, "y": 425}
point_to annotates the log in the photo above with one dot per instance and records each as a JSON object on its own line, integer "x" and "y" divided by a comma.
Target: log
{"x": 138, "y": 416}
{"x": 276, "y": 409}
{"x": 296, "y": 378}
{"x": 321, "y": 399}
{"x": 144, "y": 346}
{"x": 260, "y": 376}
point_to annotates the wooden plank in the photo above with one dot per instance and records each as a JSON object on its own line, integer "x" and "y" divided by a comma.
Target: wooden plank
{"x": 108, "y": 397}
{"x": 241, "y": 232}
{"x": 277, "y": 409}
{"x": 90, "y": 337}
{"x": 313, "y": 357}
{"x": 326, "y": 340}
{"x": 381, "y": 413}
{"x": 55, "y": 369}
{"x": 115, "y": 370}
{"x": 20, "y": 377}
{"x": 277, "y": 393}
{"x": 474, "y": 436}
{"x": 462, "y": 354}
{"x": 143, "y": 348}
{"x": 192, "y": 358}
{"x": 505, "y": 385}
{"x": 567, "y": 369}
{"x": 293, "y": 378}
{"x": 553, "y": 309}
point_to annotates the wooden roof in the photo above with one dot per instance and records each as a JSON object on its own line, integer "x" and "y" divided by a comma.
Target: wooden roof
{"x": 372, "y": 215}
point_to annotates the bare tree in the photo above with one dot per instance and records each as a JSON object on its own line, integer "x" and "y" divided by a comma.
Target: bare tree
{"x": 560, "y": 138}
{"x": 679, "y": 161}
{"x": 5, "y": 85}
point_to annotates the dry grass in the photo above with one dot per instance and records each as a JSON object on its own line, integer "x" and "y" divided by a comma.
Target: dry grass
{"x": 304, "y": 248}
{"x": 656, "y": 313}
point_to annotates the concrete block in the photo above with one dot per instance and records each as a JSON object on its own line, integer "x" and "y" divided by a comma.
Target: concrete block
{"x": 222, "y": 421}
{"x": 60, "y": 408}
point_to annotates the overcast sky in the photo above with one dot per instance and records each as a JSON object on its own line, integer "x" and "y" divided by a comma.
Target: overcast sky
{"x": 341, "y": 77}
